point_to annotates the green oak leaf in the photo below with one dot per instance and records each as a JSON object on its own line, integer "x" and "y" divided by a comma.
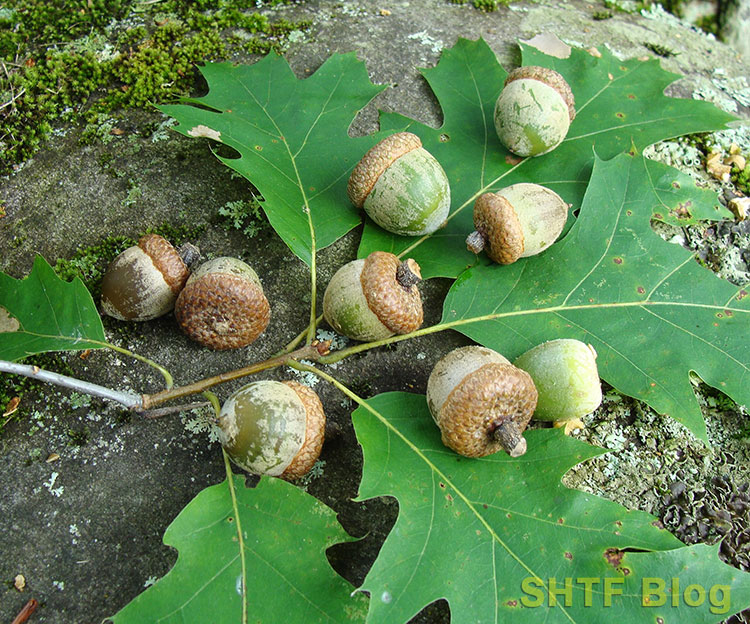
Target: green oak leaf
{"x": 499, "y": 538}
{"x": 649, "y": 310}
{"x": 619, "y": 104}
{"x": 291, "y": 137}
{"x": 289, "y": 579}
{"x": 44, "y": 313}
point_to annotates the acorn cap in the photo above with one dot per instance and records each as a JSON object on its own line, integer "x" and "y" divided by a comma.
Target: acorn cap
{"x": 167, "y": 259}
{"x": 497, "y": 222}
{"x": 494, "y": 395}
{"x": 376, "y": 161}
{"x": 222, "y": 310}
{"x": 314, "y": 432}
{"x": 549, "y": 77}
{"x": 390, "y": 290}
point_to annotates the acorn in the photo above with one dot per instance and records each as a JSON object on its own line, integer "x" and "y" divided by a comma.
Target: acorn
{"x": 222, "y": 305}
{"x": 481, "y": 402}
{"x": 566, "y": 377}
{"x": 374, "y": 298}
{"x": 142, "y": 283}
{"x": 401, "y": 186}
{"x": 518, "y": 221}
{"x": 273, "y": 428}
{"x": 534, "y": 111}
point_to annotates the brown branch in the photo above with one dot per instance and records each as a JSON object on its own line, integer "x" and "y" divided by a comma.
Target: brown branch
{"x": 312, "y": 352}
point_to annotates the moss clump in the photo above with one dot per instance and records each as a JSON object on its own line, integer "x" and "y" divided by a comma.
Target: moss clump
{"x": 89, "y": 263}
{"x": 68, "y": 60}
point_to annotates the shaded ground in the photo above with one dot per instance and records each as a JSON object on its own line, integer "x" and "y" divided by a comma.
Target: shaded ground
{"x": 85, "y": 529}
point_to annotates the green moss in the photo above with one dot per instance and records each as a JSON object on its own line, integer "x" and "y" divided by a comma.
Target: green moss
{"x": 89, "y": 263}
{"x": 76, "y": 64}
{"x": 78, "y": 437}
{"x": 659, "y": 49}
{"x": 741, "y": 178}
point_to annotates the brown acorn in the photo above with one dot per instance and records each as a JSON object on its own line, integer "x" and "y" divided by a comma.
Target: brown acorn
{"x": 481, "y": 402}
{"x": 222, "y": 305}
{"x": 143, "y": 282}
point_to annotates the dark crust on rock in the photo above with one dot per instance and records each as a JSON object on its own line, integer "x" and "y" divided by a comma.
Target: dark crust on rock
{"x": 482, "y": 401}
{"x": 398, "y": 308}
{"x": 166, "y": 259}
{"x": 496, "y": 220}
{"x": 314, "y": 432}
{"x": 549, "y": 77}
{"x": 222, "y": 311}
{"x": 376, "y": 161}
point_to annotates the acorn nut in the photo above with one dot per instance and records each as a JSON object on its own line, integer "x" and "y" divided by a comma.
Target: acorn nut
{"x": 143, "y": 282}
{"x": 374, "y": 298}
{"x": 480, "y": 402}
{"x": 518, "y": 221}
{"x": 273, "y": 428}
{"x": 534, "y": 111}
{"x": 566, "y": 377}
{"x": 222, "y": 305}
{"x": 401, "y": 186}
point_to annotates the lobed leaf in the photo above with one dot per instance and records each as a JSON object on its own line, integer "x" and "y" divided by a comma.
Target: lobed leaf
{"x": 44, "y": 313}
{"x": 620, "y": 104}
{"x": 499, "y": 538}
{"x": 650, "y": 311}
{"x": 291, "y": 139}
{"x": 289, "y": 579}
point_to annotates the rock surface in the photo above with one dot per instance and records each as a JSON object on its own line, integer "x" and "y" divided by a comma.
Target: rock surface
{"x": 85, "y": 529}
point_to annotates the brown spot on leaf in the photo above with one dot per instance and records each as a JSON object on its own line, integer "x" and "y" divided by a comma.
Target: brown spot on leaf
{"x": 658, "y": 215}
{"x": 560, "y": 521}
{"x": 620, "y": 115}
{"x": 683, "y": 210}
{"x": 569, "y": 555}
{"x": 614, "y": 557}
{"x": 7, "y": 322}
{"x": 641, "y": 290}
{"x": 631, "y": 96}
{"x": 441, "y": 484}
{"x": 617, "y": 260}
{"x": 741, "y": 295}
{"x": 625, "y": 571}
{"x": 512, "y": 603}
{"x": 676, "y": 184}
{"x": 728, "y": 313}
{"x": 511, "y": 159}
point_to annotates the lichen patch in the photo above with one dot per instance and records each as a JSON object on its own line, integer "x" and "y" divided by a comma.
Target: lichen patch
{"x": 205, "y": 131}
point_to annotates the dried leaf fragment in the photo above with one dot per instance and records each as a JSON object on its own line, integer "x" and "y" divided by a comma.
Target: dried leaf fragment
{"x": 739, "y": 206}
{"x": 12, "y": 406}
{"x": 19, "y": 582}
{"x": 204, "y": 131}
{"x": 7, "y": 322}
{"x": 717, "y": 168}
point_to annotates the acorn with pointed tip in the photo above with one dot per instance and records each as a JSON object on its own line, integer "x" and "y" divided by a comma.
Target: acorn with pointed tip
{"x": 374, "y": 298}
{"x": 142, "y": 283}
{"x": 273, "y": 428}
{"x": 534, "y": 111}
{"x": 566, "y": 377}
{"x": 481, "y": 402}
{"x": 222, "y": 305}
{"x": 518, "y": 221}
{"x": 401, "y": 186}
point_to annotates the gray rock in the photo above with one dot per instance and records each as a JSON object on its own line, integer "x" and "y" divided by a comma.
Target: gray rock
{"x": 85, "y": 530}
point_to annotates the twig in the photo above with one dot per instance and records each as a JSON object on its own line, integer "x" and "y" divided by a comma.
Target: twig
{"x": 25, "y": 613}
{"x": 129, "y": 400}
{"x": 313, "y": 352}
{"x": 173, "y": 409}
